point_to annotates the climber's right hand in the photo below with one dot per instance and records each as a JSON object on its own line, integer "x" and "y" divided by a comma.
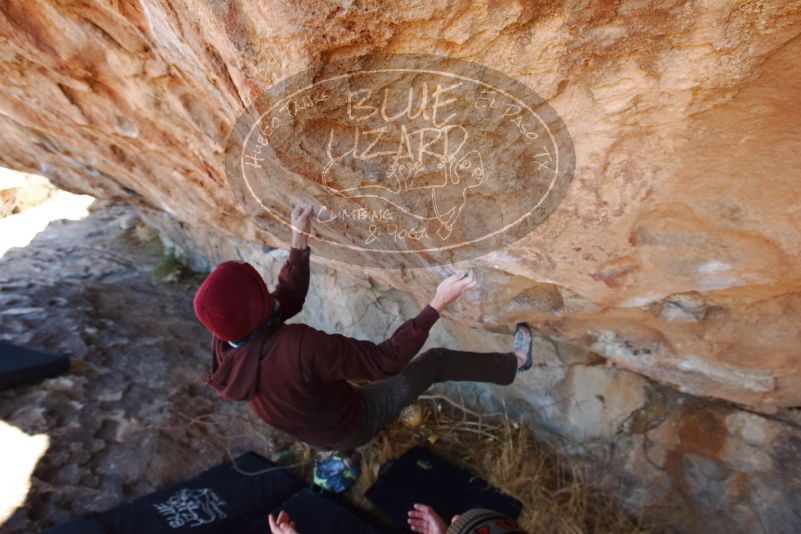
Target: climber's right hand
{"x": 452, "y": 288}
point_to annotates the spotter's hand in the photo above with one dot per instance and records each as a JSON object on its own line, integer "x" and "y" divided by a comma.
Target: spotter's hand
{"x": 423, "y": 520}
{"x": 282, "y": 525}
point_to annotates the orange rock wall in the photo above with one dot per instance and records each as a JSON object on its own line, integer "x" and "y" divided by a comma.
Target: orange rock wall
{"x": 675, "y": 253}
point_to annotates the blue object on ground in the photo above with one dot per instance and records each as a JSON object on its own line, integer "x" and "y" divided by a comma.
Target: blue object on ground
{"x": 336, "y": 473}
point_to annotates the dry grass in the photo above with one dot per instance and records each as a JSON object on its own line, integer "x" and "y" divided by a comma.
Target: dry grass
{"x": 554, "y": 497}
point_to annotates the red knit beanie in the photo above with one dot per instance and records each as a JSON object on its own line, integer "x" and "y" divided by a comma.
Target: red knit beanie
{"x": 233, "y": 301}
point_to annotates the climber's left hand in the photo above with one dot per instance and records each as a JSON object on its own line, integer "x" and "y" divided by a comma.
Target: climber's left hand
{"x": 301, "y": 224}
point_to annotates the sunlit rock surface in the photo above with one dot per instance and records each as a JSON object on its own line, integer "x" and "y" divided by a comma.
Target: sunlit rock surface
{"x": 674, "y": 255}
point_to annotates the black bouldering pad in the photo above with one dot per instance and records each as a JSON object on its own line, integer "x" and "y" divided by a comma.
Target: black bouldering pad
{"x": 324, "y": 513}
{"x": 319, "y": 513}
{"x": 81, "y": 525}
{"x": 221, "y": 500}
{"x": 419, "y": 476}
{"x": 19, "y": 365}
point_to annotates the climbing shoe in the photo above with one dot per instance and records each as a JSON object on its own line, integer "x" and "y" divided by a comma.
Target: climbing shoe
{"x": 523, "y": 341}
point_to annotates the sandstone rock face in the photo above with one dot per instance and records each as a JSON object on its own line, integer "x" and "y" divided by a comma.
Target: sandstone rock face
{"x": 673, "y": 256}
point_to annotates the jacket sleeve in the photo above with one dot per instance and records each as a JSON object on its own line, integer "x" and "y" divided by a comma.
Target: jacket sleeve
{"x": 336, "y": 357}
{"x": 293, "y": 283}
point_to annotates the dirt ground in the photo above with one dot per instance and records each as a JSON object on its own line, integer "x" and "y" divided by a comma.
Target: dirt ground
{"x": 133, "y": 414}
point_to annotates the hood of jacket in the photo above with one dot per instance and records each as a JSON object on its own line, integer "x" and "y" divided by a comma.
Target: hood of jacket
{"x": 235, "y": 370}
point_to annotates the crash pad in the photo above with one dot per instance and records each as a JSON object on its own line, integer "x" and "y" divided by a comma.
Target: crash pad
{"x": 20, "y": 365}
{"x": 220, "y": 500}
{"x": 420, "y": 476}
{"x": 318, "y": 512}
{"x": 324, "y": 513}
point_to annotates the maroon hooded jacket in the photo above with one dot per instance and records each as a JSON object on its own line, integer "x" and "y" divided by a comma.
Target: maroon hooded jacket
{"x": 295, "y": 377}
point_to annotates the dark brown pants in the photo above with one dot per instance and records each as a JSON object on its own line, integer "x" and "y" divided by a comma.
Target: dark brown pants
{"x": 383, "y": 400}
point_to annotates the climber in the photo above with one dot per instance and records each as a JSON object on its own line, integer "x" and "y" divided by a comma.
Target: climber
{"x": 295, "y": 377}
